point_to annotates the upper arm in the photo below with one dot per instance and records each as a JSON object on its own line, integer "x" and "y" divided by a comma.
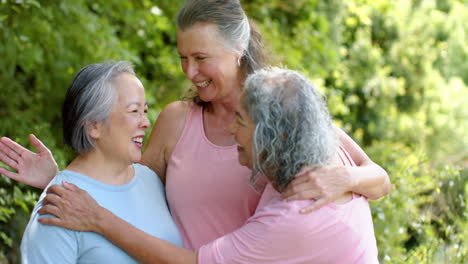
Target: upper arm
{"x": 370, "y": 179}
{"x": 164, "y": 136}
{"x": 48, "y": 244}
{"x": 354, "y": 150}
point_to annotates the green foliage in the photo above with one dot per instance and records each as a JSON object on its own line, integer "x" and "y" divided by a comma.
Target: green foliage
{"x": 423, "y": 220}
{"x": 395, "y": 74}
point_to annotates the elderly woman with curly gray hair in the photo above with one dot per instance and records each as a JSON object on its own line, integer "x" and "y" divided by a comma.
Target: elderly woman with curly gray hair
{"x": 282, "y": 126}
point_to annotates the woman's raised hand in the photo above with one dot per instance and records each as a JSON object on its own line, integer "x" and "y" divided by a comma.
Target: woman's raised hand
{"x": 35, "y": 169}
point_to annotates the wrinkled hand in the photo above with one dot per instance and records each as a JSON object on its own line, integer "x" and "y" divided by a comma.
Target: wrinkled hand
{"x": 323, "y": 184}
{"x": 35, "y": 169}
{"x": 72, "y": 207}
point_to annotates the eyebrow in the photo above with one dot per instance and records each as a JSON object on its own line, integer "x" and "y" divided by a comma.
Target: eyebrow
{"x": 137, "y": 103}
{"x": 196, "y": 53}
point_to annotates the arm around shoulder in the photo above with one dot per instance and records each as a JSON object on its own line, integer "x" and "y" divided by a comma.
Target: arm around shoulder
{"x": 142, "y": 246}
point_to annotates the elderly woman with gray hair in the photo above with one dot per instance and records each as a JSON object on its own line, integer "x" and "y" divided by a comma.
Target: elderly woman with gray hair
{"x": 282, "y": 125}
{"x": 104, "y": 120}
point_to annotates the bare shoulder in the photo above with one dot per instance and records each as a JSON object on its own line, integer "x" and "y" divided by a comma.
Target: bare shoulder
{"x": 171, "y": 121}
{"x": 164, "y": 136}
{"x": 174, "y": 114}
{"x": 169, "y": 125}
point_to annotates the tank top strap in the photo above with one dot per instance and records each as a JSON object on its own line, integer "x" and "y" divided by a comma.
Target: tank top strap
{"x": 346, "y": 156}
{"x": 192, "y": 124}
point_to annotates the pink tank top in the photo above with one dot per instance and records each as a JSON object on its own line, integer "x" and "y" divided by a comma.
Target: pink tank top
{"x": 207, "y": 190}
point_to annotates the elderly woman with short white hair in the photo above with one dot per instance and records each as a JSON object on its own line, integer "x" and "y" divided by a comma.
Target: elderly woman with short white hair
{"x": 104, "y": 121}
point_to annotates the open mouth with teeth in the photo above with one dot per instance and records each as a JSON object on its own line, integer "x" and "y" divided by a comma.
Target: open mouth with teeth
{"x": 138, "y": 141}
{"x": 203, "y": 84}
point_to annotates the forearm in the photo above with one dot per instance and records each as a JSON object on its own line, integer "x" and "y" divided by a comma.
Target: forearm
{"x": 140, "y": 245}
{"x": 370, "y": 180}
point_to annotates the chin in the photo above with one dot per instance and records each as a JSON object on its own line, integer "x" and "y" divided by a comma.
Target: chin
{"x": 249, "y": 165}
{"x": 242, "y": 161}
{"x": 136, "y": 159}
{"x": 245, "y": 163}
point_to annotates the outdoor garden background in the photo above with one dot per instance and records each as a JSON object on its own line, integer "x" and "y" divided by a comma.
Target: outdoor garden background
{"x": 395, "y": 74}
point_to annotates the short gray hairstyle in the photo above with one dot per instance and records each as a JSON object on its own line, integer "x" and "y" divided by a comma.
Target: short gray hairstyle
{"x": 293, "y": 127}
{"x": 89, "y": 99}
{"x": 237, "y": 33}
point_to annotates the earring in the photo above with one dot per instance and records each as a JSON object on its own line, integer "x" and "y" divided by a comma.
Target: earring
{"x": 238, "y": 61}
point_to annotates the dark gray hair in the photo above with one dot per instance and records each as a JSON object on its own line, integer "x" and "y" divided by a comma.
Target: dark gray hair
{"x": 89, "y": 99}
{"x": 237, "y": 32}
{"x": 293, "y": 125}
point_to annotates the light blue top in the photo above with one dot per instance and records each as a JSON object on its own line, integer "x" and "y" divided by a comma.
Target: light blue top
{"x": 141, "y": 202}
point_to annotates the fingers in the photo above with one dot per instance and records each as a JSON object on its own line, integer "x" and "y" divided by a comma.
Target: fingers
{"x": 57, "y": 190}
{"x": 303, "y": 171}
{"x": 70, "y": 186}
{"x": 49, "y": 210}
{"x": 304, "y": 195}
{"x": 17, "y": 148}
{"x": 300, "y": 179}
{"x": 52, "y": 199}
{"x": 9, "y": 156}
{"x": 51, "y": 221}
{"x": 37, "y": 144}
{"x": 9, "y": 174}
{"x": 293, "y": 192}
{"x": 302, "y": 188}
{"x": 7, "y": 160}
{"x": 294, "y": 186}
{"x": 316, "y": 205}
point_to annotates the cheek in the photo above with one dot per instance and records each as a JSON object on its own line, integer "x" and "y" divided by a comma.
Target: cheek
{"x": 249, "y": 147}
{"x": 127, "y": 123}
{"x": 221, "y": 68}
{"x": 246, "y": 143}
{"x": 209, "y": 69}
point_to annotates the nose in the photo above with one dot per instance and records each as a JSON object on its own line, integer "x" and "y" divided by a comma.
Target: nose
{"x": 144, "y": 122}
{"x": 191, "y": 69}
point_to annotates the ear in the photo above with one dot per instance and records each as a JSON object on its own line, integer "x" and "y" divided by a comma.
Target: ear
{"x": 94, "y": 129}
{"x": 239, "y": 56}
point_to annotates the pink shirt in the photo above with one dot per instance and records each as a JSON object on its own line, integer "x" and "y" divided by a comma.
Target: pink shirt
{"x": 277, "y": 233}
{"x": 208, "y": 191}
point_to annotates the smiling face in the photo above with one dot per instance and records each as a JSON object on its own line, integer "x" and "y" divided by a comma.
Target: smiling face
{"x": 121, "y": 135}
{"x": 243, "y": 129}
{"x": 207, "y": 63}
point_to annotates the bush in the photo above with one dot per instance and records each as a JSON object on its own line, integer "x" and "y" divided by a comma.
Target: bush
{"x": 423, "y": 220}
